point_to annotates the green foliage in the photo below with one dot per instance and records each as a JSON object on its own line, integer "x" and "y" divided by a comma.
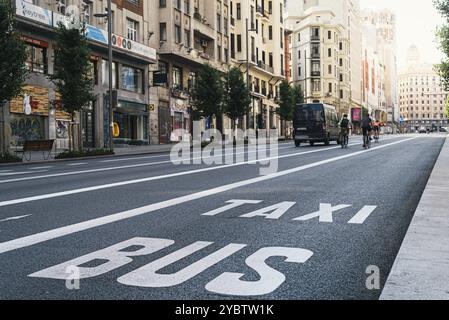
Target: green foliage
{"x": 72, "y": 76}
{"x": 85, "y": 153}
{"x": 289, "y": 97}
{"x": 286, "y": 101}
{"x": 13, "y": 55}
{"x": 237, "y": 98}
{"x": 297, "y": 95}
{"x": 443, "y": 38}
{"x": 9, "y": 158}
{"x": 207, "y": 94}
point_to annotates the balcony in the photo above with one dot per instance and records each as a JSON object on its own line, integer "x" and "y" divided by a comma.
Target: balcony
{"x": 314, "y": 37}
{"x": 265, "y": 67}
{"x": 262, "y": 12}
{"x": 315, "y": 73}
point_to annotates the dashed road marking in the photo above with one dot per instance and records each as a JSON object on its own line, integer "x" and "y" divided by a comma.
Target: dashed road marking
{"x": 120, "y": 216}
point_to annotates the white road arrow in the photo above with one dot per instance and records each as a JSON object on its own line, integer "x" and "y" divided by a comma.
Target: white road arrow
{"x": 15, "y": 218}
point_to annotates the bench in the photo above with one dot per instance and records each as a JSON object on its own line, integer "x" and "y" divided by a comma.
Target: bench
{"x": 44, "y": 146}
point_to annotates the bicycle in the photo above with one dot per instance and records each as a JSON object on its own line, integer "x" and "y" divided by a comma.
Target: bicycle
{"x": 367, "y": 140}
{"x": 344, "y": 138}
{"x": 376, "y": 136}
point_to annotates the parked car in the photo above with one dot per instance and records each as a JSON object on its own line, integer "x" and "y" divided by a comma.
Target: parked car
{"x": 443, "y": 129}
{"x": 315, "y": 122}
{"x": 422, "y": 130}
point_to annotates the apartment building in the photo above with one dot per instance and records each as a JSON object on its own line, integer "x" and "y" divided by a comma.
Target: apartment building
{"x": 422, "y": 98}
{"x": 189, "y": 33}
{"x": 321, "y": 51}
{"x": 37, "y": 22}
{"x": 380, "y": 43}
{"x": 263, "y": 21}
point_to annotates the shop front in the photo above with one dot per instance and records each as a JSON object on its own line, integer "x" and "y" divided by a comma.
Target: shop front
{"x": 179, "y": 110}
{"x": 29, "y": 115}
{"x": 131, "y": 119}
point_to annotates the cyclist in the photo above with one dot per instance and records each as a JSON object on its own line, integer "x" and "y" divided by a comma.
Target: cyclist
{"x": 367, "y": 128}
{"x": 345, "y": 125}
{"x": 376, "y": 129}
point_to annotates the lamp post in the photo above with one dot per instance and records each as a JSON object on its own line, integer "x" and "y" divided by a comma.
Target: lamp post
{"x": 108, "y": 16}
{"x": 248, "y": 66}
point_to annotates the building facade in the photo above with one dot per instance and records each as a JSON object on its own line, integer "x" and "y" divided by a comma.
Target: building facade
{"x": 265, "y": 48}
{"x": 188, "y": 34}
{"x": 41, "y": 117}
{"x": 322, "y": 52}
{"x": 380, "y": 45}
{"x": 422, "y": 98}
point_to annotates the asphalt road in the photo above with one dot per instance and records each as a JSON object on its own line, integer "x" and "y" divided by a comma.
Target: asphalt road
{"x": 143, "y": 228}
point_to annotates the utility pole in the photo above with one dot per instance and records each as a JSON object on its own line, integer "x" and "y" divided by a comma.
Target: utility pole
{"x": 247, "y": 69}
{"x": 111, "y": 101}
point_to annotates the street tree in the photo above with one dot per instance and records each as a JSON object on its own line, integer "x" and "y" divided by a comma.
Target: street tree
{"x": 72, "y": 71}
{"x": 13, "y": 55}
{"x": 443, "y": 38}
{"x": 237, "y": 100}
{"x": 297, "y": 96}
{"x": 286, "y": 105}
{"x": 207, "y": 95}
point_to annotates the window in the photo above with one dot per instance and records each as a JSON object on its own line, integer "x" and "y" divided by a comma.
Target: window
{"x": 239, "y": 43}
{"x": 329, "y": 35}
{"x": 316, "y": 85}
{"x": 187, "y": 38}
{"x": 177, "y": 34}
{"x": 177, "y": 78}
{"x": 105, "y": 73}
{"x": 37, "y": 59}
{"x": 239, "y": 11}
{"x": 329, "y": 52}
{"x": 163, "y": 32}
{"x": 162, "y": 3}
{"x": 131, "y": 79}
{"x": 132, "y": 27}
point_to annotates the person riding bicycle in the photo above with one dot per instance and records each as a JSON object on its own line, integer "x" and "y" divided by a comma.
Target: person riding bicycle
{"x": 367, "y": 128}
{"x": 345, "y": 125}
{"x": 376, "y": 129}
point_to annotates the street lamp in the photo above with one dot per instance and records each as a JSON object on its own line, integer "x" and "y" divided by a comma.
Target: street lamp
{"x": 108, "y": 16}
{"x": 248, "y": 30}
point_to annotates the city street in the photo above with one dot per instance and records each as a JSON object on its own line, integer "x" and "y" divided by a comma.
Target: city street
{"x": 330, "y": 214}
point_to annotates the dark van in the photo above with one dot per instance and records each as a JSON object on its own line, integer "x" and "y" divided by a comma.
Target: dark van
{"x": 315, "y": 122}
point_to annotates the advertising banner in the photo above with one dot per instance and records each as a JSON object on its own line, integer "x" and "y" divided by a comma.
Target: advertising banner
{"x": 28, "y": 10}
{"x": 356, "y": 114}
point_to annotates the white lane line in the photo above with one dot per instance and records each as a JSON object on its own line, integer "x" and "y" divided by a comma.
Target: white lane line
{"x": 40, "y": 168}
{"x": 86, "y": 225}
{"x": 112, "y": 168}
{"x": 137, "y": 166}
{"x": 16, "y": 218}
{"x": 5, "y": 171}
{"x": 20, "y": 173}
{"x": 76, "y": 164}
{"x": 168, "y": 155}
{"x": 129, "y": 182}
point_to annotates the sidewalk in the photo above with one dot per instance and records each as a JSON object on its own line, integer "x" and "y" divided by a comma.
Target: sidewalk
{"x": 421, "y": 269}
{"x": 37, "y": 157}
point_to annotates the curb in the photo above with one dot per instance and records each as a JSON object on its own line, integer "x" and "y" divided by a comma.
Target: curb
{"x": 421, "y": 268}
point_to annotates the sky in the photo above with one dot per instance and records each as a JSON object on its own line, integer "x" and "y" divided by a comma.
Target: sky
{"x": 417, "y": 21}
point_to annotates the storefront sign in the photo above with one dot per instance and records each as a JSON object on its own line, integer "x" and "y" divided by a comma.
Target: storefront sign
{"x": 37, "y": 42}
{"x": 33, "y": 12}
{"x": 100, "y": 35}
